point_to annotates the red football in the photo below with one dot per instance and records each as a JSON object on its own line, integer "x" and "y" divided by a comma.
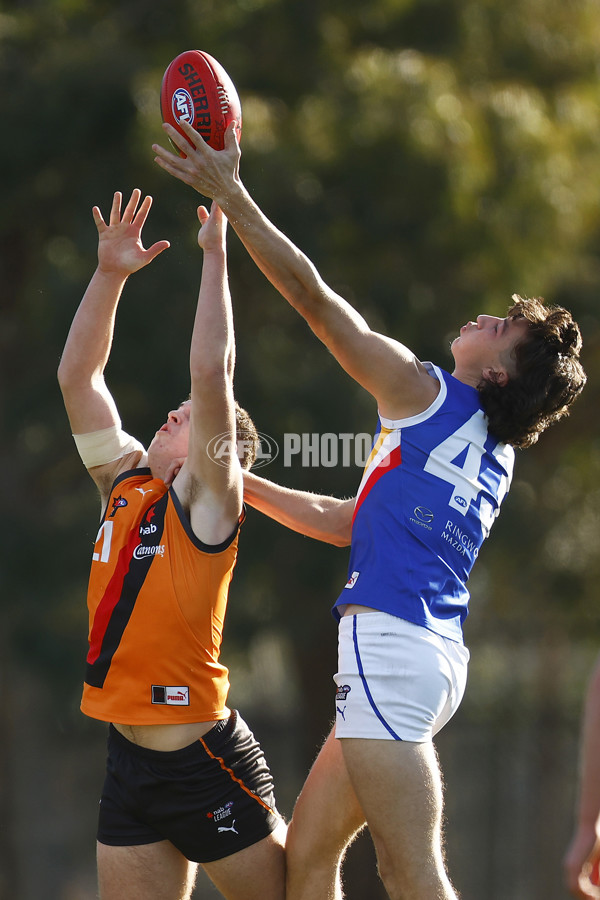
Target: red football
{"x": 197, "y": 89}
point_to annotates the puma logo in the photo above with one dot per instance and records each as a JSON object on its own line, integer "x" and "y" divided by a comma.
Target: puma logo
{"x": 231, "y": 828}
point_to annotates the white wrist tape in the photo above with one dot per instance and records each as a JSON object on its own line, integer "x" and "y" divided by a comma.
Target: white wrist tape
{"x": 107, "y": 445}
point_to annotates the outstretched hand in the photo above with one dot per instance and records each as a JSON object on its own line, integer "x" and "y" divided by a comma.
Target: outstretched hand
{"x": 120, "y": 248}
{"x": 213, "y": 226}
{"x": 210, "y": 172}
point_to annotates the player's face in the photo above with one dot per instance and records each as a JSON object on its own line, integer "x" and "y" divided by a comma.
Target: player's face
{"x": 172, "y": 438}
{"x": 488, "y": 342}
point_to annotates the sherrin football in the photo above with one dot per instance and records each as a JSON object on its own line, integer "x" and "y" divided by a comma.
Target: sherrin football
{"x": 197, "y": 89}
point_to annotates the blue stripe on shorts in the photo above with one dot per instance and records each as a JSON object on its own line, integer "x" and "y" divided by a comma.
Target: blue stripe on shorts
{"x": 366, "y": 686}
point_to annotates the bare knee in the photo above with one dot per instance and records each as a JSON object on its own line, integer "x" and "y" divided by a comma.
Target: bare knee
{"x": 425, "y": 879}
{"x": 314, "y": 862}
{"x": 309, "y": 843}
{"x": 303, "y": 851}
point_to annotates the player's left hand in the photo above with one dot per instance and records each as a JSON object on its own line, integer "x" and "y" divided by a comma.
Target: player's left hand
{"x": 211, "y": 172}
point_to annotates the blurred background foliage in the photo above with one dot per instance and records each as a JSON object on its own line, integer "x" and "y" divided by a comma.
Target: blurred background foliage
{"x": 432, "y": 157}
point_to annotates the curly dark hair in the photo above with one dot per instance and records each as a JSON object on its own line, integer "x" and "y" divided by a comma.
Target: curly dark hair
{"x": 248, "y": 441}
{"x": 549, "y": 375}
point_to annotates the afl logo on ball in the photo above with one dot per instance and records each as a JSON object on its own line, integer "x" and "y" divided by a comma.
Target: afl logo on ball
{"x": 183, "y": 107}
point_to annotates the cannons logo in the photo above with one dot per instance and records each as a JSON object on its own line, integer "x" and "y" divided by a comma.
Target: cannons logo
{"x": 147, "y": 531}
{"x": 143, "y": 552}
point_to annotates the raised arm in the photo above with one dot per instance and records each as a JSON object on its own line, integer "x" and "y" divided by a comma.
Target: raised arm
{"x": 385, "y": 368}
{"x": 211, "y": 489}
{"x": 317, "y": 516}
{"x": 88, "y": 401}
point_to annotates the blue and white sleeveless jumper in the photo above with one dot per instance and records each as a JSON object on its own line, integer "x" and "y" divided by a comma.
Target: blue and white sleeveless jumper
{"x": 430, "y": 492}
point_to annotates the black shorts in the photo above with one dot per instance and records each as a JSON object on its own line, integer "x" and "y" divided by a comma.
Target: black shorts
{"x": 209, "y": 799}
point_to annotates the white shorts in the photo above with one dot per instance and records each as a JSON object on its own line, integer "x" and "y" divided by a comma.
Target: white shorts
{"x": 396, "y": 680}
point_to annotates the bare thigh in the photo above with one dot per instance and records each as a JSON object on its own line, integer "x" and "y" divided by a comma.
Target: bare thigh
{"x": 399, "y": 786}
{"x": 256, "y": 873}
{"x": 160, "y": 872}
{"x": 327, "y": 816}
{"x": 145, "y": 872}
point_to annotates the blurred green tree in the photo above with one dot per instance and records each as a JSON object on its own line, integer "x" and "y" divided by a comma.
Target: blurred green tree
{"x": 431, "y": 156}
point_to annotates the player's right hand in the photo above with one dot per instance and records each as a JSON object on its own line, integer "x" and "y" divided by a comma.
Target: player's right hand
{"x": 120, "y": 248}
